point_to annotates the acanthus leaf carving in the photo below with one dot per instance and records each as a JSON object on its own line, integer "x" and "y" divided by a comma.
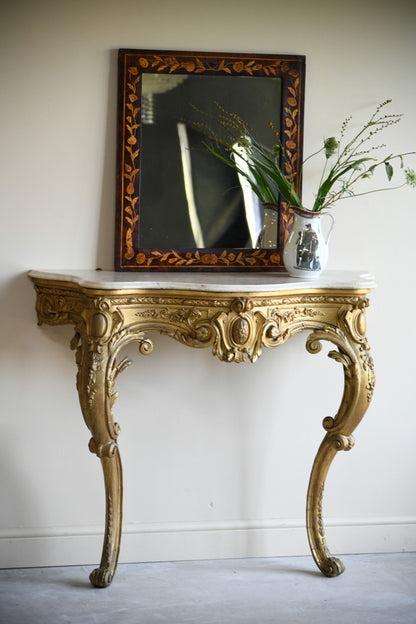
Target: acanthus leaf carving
{"x": 236, "y": 326}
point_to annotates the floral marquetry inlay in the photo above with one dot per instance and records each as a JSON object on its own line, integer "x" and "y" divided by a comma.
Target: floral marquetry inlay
{"x": 133, "y": 64}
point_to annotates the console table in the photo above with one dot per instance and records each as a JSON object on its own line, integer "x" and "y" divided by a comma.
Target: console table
{"x": 236, "y": 314}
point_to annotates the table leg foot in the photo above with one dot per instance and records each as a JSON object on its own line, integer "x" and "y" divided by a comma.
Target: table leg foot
{"x": 332, "y": 567}
{"x": 101, "y": 577}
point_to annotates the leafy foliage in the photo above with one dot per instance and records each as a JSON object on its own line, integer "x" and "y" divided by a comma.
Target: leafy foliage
{"x": 346, "y": 161}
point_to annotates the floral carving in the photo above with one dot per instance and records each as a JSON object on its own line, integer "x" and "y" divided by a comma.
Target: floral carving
{"x": 237, "y": 326}
{"x": 57, "y": 307}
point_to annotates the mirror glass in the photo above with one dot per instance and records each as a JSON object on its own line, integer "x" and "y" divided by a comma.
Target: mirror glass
{"x": 199, "y": 199}
{"x": 179, "y": 207}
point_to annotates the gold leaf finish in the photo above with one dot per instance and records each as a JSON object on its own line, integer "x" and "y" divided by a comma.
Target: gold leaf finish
{"x": 236, "y": 326}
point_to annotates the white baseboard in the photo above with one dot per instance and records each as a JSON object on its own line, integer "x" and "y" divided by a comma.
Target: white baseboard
{"x": 196, "y": 540}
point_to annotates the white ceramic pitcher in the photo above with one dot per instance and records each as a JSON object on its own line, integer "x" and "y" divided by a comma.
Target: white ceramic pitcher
{"x": 306, "y": 251}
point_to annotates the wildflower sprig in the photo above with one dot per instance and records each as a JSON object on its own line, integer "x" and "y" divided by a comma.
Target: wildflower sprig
{"x": 346, "y": 161}
{"x": 352, "y": 163}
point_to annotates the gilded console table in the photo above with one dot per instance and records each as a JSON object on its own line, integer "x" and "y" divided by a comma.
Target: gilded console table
{"x": 236, "y": 314}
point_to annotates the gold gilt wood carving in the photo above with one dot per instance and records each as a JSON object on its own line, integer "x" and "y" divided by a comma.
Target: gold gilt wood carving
{"x": 236, "y": 326}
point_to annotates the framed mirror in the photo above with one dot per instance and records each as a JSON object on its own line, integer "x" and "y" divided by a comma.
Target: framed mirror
{"x": 179, "y": 207}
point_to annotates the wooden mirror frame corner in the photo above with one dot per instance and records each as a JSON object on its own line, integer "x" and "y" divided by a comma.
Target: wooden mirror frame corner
{"x": 132, "y": 64}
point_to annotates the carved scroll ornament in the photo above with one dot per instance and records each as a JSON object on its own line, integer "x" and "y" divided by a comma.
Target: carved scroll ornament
{"x": 236, "y": 326}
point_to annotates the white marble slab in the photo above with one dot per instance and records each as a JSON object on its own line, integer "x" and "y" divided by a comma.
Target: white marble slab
{"x": 211, "y": 282}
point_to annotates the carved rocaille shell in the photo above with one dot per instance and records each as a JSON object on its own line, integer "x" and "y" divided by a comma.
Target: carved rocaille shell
{"x": 237, "y": 326}
{"x": 240, "y": 331}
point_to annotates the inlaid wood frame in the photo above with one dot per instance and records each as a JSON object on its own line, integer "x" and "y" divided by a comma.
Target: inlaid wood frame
{"x": 130, "y": 255}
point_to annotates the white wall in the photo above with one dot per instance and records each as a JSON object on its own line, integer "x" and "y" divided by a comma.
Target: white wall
{"x": 216, "y": 457}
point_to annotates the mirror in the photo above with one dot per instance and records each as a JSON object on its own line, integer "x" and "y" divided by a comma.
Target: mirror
{"x": 179, "y": 207}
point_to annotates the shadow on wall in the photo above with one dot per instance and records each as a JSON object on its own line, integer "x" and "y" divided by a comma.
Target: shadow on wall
{"x": 19, "y": 321}
{"x": 106, "y": 227}
{"x": 19, "y": 498}
{"x": 24, "y": 416}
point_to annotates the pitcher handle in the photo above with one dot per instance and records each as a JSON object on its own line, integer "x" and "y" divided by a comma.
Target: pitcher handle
{"x": 331, "y": 216}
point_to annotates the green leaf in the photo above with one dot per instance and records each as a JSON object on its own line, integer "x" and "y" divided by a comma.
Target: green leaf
{"x": 389, "y": 171}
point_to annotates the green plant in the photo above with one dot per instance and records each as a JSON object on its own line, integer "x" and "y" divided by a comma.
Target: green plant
{"x": 346, "y": 161}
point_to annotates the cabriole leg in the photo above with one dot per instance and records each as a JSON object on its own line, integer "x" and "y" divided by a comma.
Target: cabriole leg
{"x": 97, "y": 346}
{"x": 95, "y": 382}
{"x": 102, "y": 576}
{"x": 329, "y": 565}
{"x": 359, "y": 379}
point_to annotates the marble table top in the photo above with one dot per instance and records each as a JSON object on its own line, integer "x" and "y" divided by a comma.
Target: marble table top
{"x": 224, "y": 281}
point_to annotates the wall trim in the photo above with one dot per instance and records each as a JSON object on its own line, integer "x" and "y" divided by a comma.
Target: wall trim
{"x": 79, "y": 545}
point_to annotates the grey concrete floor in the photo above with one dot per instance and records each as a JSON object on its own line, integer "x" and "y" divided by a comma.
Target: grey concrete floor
{"x": 379, "y": 589}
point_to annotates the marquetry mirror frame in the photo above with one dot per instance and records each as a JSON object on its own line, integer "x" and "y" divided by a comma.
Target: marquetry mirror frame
{"x": 129, "y": 255}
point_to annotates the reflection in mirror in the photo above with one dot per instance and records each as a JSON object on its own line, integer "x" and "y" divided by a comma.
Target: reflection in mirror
{"x": 200, "y": 201}
{"x": 179, "y": 207}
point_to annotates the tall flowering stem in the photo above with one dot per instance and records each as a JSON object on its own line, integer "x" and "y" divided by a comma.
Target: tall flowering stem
{"x": 354, "y": 161}
{"x": 346, "y": 161}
